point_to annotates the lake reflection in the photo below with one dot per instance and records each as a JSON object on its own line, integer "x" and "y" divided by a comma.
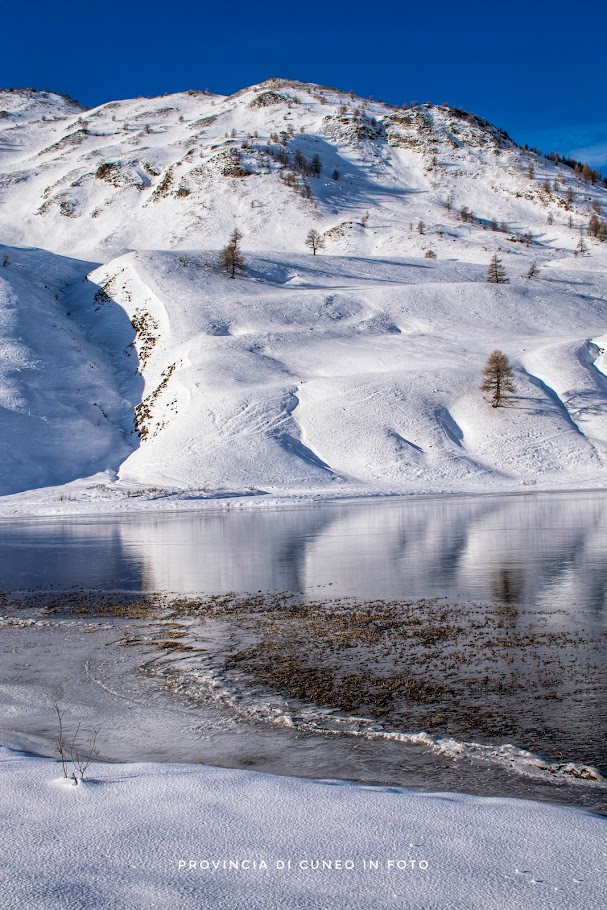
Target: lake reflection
{"x": 545, "y": 550}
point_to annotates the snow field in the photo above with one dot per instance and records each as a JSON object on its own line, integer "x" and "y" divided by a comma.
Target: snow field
{"x": 76, "y": 846}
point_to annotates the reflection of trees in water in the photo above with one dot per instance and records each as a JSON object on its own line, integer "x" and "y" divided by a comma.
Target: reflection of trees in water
{"x": 547, "y": 550}
{"x": 508, "y": 584}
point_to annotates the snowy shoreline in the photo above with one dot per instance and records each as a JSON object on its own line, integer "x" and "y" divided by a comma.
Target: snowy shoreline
{"x": 187, "y": 836}
{"x": 86, "y": 497}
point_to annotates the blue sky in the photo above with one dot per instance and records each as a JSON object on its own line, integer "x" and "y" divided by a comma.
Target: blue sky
{"x": 535, "y": 69}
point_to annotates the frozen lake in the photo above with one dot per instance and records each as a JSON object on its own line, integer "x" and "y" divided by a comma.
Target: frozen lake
{"x": 522, "y": 580}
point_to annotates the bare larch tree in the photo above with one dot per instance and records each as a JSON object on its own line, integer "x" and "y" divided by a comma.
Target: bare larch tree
{"x": 314, "y": 241}
{"x": 496, "y": 273}
{"x": 497, "y": 378}
{"x": 231, "y": 257}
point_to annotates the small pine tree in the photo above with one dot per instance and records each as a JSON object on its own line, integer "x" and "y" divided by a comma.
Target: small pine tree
{"x": 581, "y": 247}
{"x": 533, "y": 270}
{"x": 315, "y": 241}
{"x": 497, "y": 378}
{"x": 231, "y": 257}
{"x": 421, "y": 227}
{"x": 316, "y": 166}
{"x": 335, "y": 174}
{"x": 496, "y": 273}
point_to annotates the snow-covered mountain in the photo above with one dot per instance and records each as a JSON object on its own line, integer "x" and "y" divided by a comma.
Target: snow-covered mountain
{"x": 128, "y": 357}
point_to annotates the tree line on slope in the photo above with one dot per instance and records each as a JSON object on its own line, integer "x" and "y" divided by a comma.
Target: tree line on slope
{"x": 232, "y": 260}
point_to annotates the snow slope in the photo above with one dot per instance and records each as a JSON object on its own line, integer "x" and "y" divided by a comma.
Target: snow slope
{"x": 75, "y": 846}
{"x": 351, "y": 372}
{"x": 64, "y": 409}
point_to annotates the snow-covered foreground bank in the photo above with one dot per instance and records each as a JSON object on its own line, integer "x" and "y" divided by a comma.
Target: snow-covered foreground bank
{"x": 148, "y": 835}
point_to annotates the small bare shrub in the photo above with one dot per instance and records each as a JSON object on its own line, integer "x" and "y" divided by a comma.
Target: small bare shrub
{"x": 76, "y": 758}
